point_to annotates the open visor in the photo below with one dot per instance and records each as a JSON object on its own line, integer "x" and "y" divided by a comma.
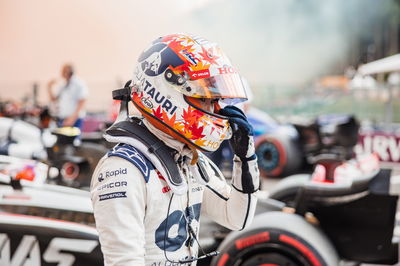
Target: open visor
{"x": 229, "y": 87}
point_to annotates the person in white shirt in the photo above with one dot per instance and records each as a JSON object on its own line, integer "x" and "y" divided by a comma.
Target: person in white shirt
{"x": 70, "y": 98}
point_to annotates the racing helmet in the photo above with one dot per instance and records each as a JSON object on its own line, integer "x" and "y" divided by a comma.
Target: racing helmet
{"x": 171, "y": 80}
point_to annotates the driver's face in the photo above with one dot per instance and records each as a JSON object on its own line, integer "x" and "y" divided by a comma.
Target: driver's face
{"x": 209, "y": 105}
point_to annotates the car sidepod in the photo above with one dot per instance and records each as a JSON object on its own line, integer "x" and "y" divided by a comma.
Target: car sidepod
{"x": 37, "y": 241}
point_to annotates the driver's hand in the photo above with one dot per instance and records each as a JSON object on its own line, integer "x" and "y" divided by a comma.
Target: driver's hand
{"x": 242, "y": 141}
{"x": 245, "y": 176}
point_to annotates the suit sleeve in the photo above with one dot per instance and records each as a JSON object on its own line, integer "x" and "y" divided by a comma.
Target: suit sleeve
{"x": 118, "y": 194}
{"x": 231, "y": 205}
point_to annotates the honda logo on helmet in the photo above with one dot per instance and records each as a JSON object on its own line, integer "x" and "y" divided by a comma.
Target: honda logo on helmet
{"x": 226, "y": 70}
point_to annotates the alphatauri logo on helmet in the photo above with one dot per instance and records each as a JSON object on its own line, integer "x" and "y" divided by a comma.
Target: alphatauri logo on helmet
{"x": 151, "y": 93}
{"x": 155, "y": 60}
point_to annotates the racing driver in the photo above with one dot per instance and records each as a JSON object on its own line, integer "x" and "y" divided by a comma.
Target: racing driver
{"x": 148, "y": 191}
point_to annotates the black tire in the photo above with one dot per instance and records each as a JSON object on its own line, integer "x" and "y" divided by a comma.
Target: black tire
{"x": 277, "y": 238}
{"x": 286, "y": 189}
{"x": 278, "y": 155}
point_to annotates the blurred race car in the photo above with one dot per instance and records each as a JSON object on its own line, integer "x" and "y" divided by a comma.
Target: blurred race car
{"x": 43, "y": 224}
{"x": 283, "y": 150}
{"x": 292, "y": 148}
{"x": 61, "y": 148}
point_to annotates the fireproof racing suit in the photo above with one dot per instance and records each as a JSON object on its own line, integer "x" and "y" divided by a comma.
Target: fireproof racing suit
{"x": 142, "y": 222}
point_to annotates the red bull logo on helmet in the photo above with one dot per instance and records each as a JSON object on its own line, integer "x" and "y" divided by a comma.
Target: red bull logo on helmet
{"x": 153, "y": 60}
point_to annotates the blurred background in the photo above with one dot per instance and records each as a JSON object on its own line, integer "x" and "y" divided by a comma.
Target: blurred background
{"x": 325, "y": 79}
{"x": 302, "y": 54}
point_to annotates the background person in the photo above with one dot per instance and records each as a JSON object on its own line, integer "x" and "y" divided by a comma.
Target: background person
{"x": 70, "y": 98}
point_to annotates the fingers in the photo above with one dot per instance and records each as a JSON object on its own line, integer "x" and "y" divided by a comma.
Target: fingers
{"x": 232, "y": 111}
{"x": 237, "y": 119}
{"x": 240, "y": 124}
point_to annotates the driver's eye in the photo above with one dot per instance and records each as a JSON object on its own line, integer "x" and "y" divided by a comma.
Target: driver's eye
{"x": 214, "y": 101}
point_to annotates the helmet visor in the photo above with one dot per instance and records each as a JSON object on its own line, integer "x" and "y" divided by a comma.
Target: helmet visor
{"x": 228, "y": 87}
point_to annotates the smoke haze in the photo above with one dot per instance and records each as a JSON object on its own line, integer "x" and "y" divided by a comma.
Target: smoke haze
{"x": 273, "y": 43}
